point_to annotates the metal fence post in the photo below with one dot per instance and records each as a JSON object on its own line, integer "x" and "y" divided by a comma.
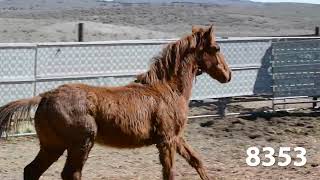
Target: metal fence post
{"x": 314, "y": 104}
{"x": 222, "y": 105}
{"x": 35, "y": 71}
{"x": 80, "y": 32}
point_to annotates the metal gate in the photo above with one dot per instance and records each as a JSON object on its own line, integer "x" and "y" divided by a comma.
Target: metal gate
{"x": 296, "y": 69}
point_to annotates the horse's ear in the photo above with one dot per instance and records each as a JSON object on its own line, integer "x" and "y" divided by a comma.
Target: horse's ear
{"x": 195, "y": 29}
{"x": 211, "y": 29}
{"x": 211, "y": 33}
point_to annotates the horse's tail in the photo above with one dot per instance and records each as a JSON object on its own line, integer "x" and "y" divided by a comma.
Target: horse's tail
{"x": 19, "y": 110}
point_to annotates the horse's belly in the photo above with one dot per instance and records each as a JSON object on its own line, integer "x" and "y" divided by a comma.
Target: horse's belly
{"x": 130, "y": 137}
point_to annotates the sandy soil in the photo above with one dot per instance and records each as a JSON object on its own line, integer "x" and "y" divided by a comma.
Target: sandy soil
{"x": 39, "y": 20}
{"x": 221, "y": 142}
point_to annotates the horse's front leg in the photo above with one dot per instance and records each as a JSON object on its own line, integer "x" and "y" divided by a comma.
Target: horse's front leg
{"x": 167, "y": 151}
{"x": 191, "y": 157}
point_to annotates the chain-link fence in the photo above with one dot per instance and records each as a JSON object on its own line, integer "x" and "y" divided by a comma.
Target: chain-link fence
{"x": 296, "y": 68}
{"x": 29, "y": 69}
{"x": 296, "y": 71}
{"x": 38, "y": 68}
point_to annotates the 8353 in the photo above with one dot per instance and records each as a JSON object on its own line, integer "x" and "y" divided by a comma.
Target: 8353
{"x": 284, "y": 158}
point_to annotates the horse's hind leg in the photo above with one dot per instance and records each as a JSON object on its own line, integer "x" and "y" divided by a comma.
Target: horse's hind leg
{"x": 167, "y": 153}
{"x": 42, "y": 162}
{"x": 77, "y": 156}
{"x": 191, "y": 157}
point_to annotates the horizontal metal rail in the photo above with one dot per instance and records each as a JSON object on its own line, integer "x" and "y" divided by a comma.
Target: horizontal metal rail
{"x": 88, "y": 76}
{"x": 93, "y": 76}
{"x": 189, "y": 117}
{"x": 20, "y": 134}
{"x": 290, "y": 97}
{"x": 17, "y": 81}
{"x": 17, "y": 45}
{"x": 296, "y": 102}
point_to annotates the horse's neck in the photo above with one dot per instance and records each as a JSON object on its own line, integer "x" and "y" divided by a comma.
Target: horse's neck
{"x": 184, "y": 79}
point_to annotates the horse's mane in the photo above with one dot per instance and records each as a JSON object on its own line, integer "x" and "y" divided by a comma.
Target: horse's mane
{"x": 166, "y": 65}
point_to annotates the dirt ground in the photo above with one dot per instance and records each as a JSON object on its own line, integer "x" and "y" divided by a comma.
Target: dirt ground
{"x": 222, "y": 144}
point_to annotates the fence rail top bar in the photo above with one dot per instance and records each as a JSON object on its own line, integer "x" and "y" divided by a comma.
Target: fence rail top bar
{"x": 263, "y": 38}
{"x": 144, "y": 41}
{"x": 18, "y": 45}
{"x": 118, "y": 42}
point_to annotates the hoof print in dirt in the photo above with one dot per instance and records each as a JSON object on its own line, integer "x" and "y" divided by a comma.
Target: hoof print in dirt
{"x": 226, "y": 130}
{"x": 207, "y": 124}
{"x": 238, "y": 121}
{"x": 300, "y": 124}
{"x": 254, "y": 136}
{"x": 273, "y": 139}
{"x": 310, "y": 126}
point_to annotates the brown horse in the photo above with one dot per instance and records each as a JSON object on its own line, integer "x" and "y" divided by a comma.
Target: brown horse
{"x": 152, "y": 110}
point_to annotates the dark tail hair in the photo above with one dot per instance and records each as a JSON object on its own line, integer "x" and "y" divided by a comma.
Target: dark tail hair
{"x": 20, "y": 109}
